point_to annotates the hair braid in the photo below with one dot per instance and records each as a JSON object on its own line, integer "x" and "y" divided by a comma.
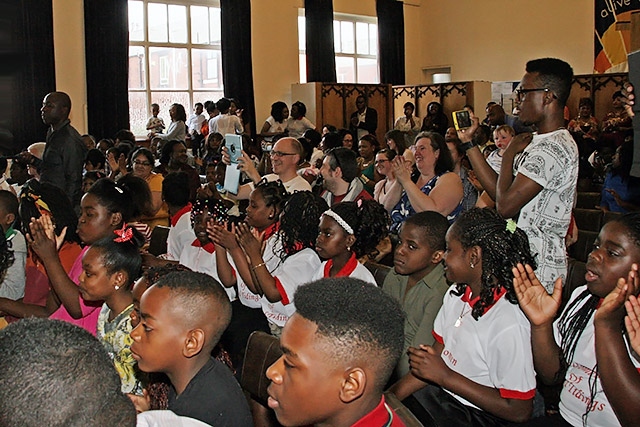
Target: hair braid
{"x": 501, "y": 251}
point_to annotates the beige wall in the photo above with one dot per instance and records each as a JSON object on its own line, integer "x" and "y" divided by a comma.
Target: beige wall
{"x": 492, "y": 40}
{"x": 68, "y": 39}
{"x": 479, "y": 40}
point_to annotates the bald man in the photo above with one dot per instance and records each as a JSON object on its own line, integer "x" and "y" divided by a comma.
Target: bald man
{"x": 64, "y": 153}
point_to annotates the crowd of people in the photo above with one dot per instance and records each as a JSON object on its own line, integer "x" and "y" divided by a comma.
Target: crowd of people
{"x": 463, "y": 328}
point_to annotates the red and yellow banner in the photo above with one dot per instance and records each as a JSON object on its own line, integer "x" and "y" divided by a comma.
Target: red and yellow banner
{"x": 611, "y": 46}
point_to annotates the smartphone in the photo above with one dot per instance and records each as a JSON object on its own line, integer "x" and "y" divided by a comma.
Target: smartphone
{"x": 234, "y": 146}
{"x": 461, "y": 119}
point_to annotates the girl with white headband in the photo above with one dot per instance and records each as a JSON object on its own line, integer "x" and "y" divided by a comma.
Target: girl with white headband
{"x": 348, "y": 231}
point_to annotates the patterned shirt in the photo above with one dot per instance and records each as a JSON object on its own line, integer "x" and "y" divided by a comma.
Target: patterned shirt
{"x": 116, "y": 339}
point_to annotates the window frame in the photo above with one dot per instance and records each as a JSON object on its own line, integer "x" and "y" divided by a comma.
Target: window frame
{"x": 193, "y": 94}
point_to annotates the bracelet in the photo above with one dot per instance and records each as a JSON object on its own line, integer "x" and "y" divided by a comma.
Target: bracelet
{"x": 258, "y": 266}
{"x": 465, "y": 146}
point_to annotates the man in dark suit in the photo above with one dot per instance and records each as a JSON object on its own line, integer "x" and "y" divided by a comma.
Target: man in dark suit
{"x": 364, "y": 120}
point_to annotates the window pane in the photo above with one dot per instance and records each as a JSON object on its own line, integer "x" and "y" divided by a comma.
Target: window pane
{"x": 362, "y": 38}
{"x": 206, "y": 66}
{"x": 136, "y": 21}
{"x": 303, "y": 68}
{"x": 168, "y": 68}
{"x": 139, "y": 112}
{"x": 157, "y": 22}
{"x": 345, "y": 69}
{"x": 373, "y": 39}
{"x": 177, "y": 24}
{"x": 336, "y": 36}
{"x": 137, "y": 68}
{"x": 207, "y": 96}
{"x": 367, "y": 70}
{"x": 214, "y": 19}
{"x": 347, "y": 37}
{"x": 199, "y": 25}
{"x": 302, "y": 35}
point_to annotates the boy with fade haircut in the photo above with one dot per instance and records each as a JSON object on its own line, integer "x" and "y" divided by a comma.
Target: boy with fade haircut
{"x": 182, "y": 318}
{"x": 58, "y": 375}
{"x": 340, "y": 348}
{"x": 177, "y": 200}
{"x": 418, "y": 281}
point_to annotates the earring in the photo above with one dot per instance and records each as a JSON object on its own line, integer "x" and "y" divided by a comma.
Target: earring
{"x": 117, "y": 287}
{"x": 472, "y": 265}
{"x": 348, "y": 248}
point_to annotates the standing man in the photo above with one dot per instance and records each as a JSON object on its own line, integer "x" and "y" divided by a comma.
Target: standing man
{"x": 64, "y": 153}
{"x": 540, "y": 185}
{"x": 364, "y": 120}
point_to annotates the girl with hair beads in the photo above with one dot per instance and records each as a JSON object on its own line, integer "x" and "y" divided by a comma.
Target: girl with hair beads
{"x": 481, "y": 367}
{"x": 104, "y": 208}
{"x": 288, "y": 259}
{"x": 109, "y": 268}
{"x": 586, "y": 346}
{"x": 348, "y": 231}
{"x": 265, "y": 205}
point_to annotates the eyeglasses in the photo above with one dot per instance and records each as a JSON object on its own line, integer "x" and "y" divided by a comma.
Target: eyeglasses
{"x": 522, "y": 93}
{"x": 280, "y": 154}
{"x": 381, "y": 161}
{"x": 139, "y": 163}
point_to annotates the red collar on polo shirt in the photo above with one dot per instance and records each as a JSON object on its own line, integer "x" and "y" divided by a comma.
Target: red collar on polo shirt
{"x": 344, "y": 271}
{"x": 497, "y": 294}
{"x": 209, "y": 247}
{"x": 271, "y": 230}
{"x": 176, "y": 217}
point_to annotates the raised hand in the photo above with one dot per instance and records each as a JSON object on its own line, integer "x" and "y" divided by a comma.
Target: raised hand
{"x": 40, "y": 241}
{"x": 611, "y": 311}
{"x": 248, "y": 242}
{"x": 632, "y": 322}
{"x": 535, "y": 302}
{"x": 401, "y": 170}
{"x": 220, "y": 234}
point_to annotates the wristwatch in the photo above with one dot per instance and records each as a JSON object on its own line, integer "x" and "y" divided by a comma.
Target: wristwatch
{"x": 467, "y": 145}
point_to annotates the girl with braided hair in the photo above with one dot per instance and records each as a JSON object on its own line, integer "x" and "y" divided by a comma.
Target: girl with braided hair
{"x": 288, "y": 259}
{"x": 480, "y": 367}
{"x": 586, "y": 347}
{"x": 348, "y": 231}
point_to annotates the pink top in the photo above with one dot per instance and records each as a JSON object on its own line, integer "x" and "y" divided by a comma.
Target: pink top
{"x": 90, "y": 309}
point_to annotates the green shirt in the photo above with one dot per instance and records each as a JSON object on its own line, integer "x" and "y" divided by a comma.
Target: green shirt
{"x": 421, "y": 305}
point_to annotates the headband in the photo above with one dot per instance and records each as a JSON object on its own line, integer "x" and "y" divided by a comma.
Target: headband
{"x": 339, "y": 220}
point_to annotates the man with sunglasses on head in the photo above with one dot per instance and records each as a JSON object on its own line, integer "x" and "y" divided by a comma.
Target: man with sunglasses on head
{"x": 286, "y": 156}
{"x": 539, "y": 172}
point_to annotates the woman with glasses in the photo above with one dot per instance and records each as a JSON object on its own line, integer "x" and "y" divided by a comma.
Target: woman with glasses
{"x": 387, "y": 191}
{"x": 142, "y": 163}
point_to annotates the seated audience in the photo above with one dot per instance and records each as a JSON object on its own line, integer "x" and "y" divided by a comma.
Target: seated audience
{"x": 480, "y": 369}
{"x": 89, "y": 179}
{"x": 13, "y": 249}
{"x": 174, "y": 158}
{"x": 469, "y": 192}
{"x": 368, "y": 146}
{"x": 388, "y": 190}
{"x": 586, "y": 349}
{"x": 287, "y": 260}
{"x": 417, "y": 280}
{"x": 182, "y": 317}
{"x": 399, "y": 142}
{"x": 109, "y": 268}
{"x": 276, "y": 123}
{"x": 435, "y": 120}
{"x": 56, "y": 374}
{"x": 339, "y": 351}
{"x": 340, "y": 177}
{"x": 621, "y": 191}
{"x": 408, "y": 124}
{"x": 349, "y": 231}
{"x": 617, "y": 124}
{"x": 141, "y": 204}
{"x": 585, "y": 128}
{"x": 437, "y": 189}
{"x": 95, "y": 161}
{"x": 298, "y": 124}
{"x": 36, "y": 200}
{"x": 142, "y": 162}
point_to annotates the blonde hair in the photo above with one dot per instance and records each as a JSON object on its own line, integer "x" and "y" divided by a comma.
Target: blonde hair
{"x": 504, "y": 128}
